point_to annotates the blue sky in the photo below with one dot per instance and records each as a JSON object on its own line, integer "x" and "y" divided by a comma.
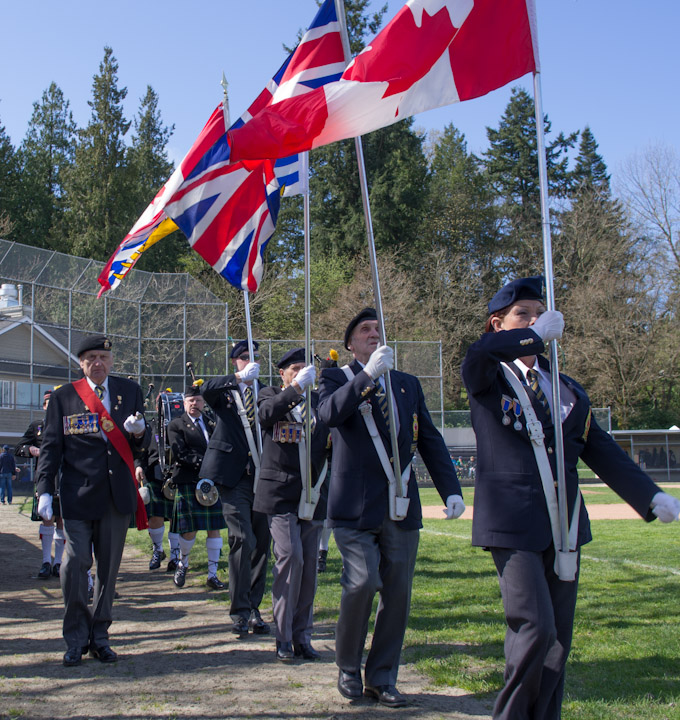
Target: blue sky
{"x": 604, "y": 64}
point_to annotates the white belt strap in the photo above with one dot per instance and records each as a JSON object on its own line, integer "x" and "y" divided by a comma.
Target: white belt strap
{"x": 252, "y": 446}
{"x": 307, "y": 506}
{"x": 565, "y": 560}
{"x": 398, "y": 500}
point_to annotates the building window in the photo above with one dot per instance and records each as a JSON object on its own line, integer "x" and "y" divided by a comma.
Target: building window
{"x": 6, "y": 394}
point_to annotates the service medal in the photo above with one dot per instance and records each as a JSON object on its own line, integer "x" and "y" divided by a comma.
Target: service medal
{"x": 517, "y": 409}
{"x": 107, "y": 424}
{"x": 506, "y": 404}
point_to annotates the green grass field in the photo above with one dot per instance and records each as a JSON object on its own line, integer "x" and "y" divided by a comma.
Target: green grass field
{"x": 625, "y": 661}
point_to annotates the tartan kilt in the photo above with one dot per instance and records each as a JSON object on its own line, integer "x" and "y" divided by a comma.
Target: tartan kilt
{"x": 190, "y": 515}
{"x": 159, "y": 506}
{"x": 56, "y": 507}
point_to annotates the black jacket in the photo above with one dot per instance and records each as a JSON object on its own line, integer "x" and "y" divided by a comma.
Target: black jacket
{"x": 280, "y": 484}
{"x": 93, "y": 473}
{"x": 510, "y": 506}
{"x": 188, "y": 447}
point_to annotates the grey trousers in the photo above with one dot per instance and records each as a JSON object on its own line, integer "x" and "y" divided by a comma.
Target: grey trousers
{"x": 378, "y": 560}
{"x": 539, "y": 610}
{"x": 83, "y": 625}
{"x": 249, "y": 542}
{"x": 296, "y": 544}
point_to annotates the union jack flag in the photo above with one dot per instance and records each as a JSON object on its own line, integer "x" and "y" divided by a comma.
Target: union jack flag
{"x": 228, "y": 212}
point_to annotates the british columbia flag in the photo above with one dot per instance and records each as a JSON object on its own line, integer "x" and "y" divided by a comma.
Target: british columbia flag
{"x": 228, "y": 212}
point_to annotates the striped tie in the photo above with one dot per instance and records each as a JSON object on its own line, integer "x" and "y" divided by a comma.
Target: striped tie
{"x": 532, "y": 379}
{"x": 382, "y": 403}
{"x": 249, "y": 404}
{"x": 302, "y": 405}
{"x": 99, "y": 390}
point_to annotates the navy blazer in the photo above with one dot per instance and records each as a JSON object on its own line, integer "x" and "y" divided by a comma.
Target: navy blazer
{"x": 32, "y": 437}
{"x": 358, "y": 493}
{"x": 92, "y": 470}
{"x": 280, "y": 484}
{"x": 510, "y": 510}
{"x": 228, "y": 455}
{"x": 188, "y": 447}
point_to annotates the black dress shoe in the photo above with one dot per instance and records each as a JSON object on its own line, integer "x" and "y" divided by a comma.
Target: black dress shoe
{"x": 306, "y": 651}
{"x": 156, "y": 557}
{"x": 349, "y": 684}
{"x": 55, "y": 569}
{"x": 321, "y": 562}
{"x": 180, "y": 575}
{"x": 103, "y": 654}
{"x": 284, "y": 651}
{"x": 45, "y": 571}
{"x": 240, "y": 627}
{"x": 386, "y": 695}
{"x": 215, "y": 583}
{"x": 73, "y": 656}
{"x": 257, "y": 624}
{"x": 172, "y": 565}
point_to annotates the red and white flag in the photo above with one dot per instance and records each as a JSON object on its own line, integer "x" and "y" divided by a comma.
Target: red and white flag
{"x": 433, "y": 53}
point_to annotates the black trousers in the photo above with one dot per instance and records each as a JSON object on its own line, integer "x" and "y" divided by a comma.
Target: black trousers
{"x": 539, "y": 610}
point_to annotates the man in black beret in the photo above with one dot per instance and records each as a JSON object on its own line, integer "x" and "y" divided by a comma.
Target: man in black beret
{"x": 232, "y": 462}
{"x": 376, "y": 530}
{"x": 295, "y": 526}
{"x": 93, "y": 429}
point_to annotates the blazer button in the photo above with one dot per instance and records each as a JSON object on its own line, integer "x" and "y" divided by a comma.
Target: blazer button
{"x": 250, "y": 454}
{"x": 110, "y": 472}
{"x": 550, "y": 451}
{"x": 108, "y": 451}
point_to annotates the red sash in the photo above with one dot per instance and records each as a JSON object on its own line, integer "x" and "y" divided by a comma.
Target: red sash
{"x": 118, "y": 440}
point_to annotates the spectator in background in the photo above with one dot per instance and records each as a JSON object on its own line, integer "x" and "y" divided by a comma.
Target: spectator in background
{"x": 8, "y": 473}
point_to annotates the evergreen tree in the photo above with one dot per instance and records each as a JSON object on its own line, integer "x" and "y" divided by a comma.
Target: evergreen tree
{"x": 590, "y": 170}
{"x": 149, "y": 168}
{"x": 511, "y": 163}
{"x": 9, "y": 181}
{"x": 46, "y": 154}
{"x": 99, "y": 213}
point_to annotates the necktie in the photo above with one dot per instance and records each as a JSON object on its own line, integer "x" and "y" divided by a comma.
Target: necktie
{"x": 302, "y": 405}
{"x": 532, "y": 379}
{"x": 381, "y": 397}
{"x": 249, "y": 404}
{"x": 199, "y": 424}
{"x": 99, "y": 390}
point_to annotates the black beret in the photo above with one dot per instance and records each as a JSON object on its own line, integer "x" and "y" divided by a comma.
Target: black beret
{"x": 530, "y": 288}
{"x": 365, "y": 314}
{"x": 94, "y": 342}
{"x": 192, "y": 391}
{"x": 295, "y": 355}
{"x": 242, "y": 346}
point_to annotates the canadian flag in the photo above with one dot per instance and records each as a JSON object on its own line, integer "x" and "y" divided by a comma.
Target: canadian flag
{"x": 433, "y": 53}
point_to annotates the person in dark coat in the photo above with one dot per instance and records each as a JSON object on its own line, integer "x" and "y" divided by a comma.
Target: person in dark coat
{"x": 29, "y": 447}
{"x": 189, "y": 435}
{"x": 511, "y": 516}
{"x": 93, "y": 429}
{"x": 232, "y": 462}
{"x": 282, "y": 416}
{"x": 378, "y": 552}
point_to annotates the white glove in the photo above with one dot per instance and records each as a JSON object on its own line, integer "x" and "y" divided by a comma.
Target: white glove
{"x": 249, "y": 372}
{"x": 381, "y": 360}
{"x": 145, "y": 494}
{"x": 455, "y": 507}
{"x": 665, "y": 507}
{"x": 306, "y": 377}
{"x": 135, "y": 424}
{"x": 549, "y": 325}
{"x": 45, "y": 506}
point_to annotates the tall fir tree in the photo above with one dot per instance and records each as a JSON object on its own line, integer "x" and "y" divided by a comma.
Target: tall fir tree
{"x": 590, "y": 170}
{"x": 46, "y": 155}
{"x": 511, "y": 163}
{"x": 98, "y": 185}
{"x": 9, "y": 183}
{"x": 149, "y": 168}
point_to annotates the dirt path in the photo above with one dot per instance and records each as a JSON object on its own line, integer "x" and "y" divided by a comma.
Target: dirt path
{"x": 177, "y": 658}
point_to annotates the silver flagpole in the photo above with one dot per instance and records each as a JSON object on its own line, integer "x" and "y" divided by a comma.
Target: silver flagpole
{"x": 550, "y": 300}
{"x": 246, "y": 299}
{"x": 340, "y": 9}
{"x": 304, "y": 171}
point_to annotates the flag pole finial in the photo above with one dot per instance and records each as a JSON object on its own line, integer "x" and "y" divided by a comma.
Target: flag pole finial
{"x": 225, "y": 100}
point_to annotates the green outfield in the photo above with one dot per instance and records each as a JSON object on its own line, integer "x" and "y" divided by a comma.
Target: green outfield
{"x": 625, "y": 661}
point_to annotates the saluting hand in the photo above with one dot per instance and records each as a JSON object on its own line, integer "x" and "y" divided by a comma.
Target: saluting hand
{"x": 549, "y": 325}
{"x": 305, "y": 377}
{"x": 250, "y": 372}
